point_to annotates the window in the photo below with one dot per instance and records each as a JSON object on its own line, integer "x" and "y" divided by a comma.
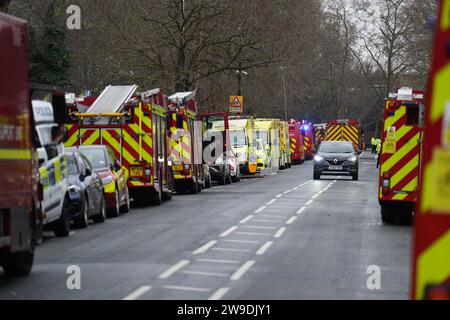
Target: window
{"x": 72, "y": 165}
{"x": 96, "y": 157}
{"x": 179, "y": 121}
{"x": 336, "y": 147}
{"x": 412, "y": 115}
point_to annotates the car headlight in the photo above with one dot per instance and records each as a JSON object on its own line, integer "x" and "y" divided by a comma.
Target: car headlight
{"x": 74, "y": 189}
{"x": 107, "y": 180}
{"x": 352, "y": 159}
{"x": 147, "y": 172}
{"x": 319, "y": 158}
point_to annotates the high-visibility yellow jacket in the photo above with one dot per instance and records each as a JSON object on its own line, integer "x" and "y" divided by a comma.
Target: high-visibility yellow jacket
{"x": 372, "y": 141}
{"x": 378, "y": 148}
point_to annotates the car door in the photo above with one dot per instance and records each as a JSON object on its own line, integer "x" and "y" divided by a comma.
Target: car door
{"x": 121, "y": 178}
{"x": 91, "y": 183}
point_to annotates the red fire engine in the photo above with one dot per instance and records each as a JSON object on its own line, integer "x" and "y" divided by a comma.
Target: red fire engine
{"x": 297, "y": 145}
{"x": 345, "y": 130}
{"x": 400, "y": 154}
{"x": 308, "y": 139}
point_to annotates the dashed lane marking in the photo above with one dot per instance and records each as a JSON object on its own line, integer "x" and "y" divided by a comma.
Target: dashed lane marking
{"x": 252, "y": 233}
{"x": 248, "y": 218}
{"x": 203, "y": 273}
{"x": 218, "y": 261}
{"x": 137, "y": 293}
{"x": 230, "y": 249}
{"x": 205, "y": 247}
{"x": 291, "y": 220}
{"x": 166, "y": 274}
{"x": 264, "y": 248}
{"x": 228, "y": 232}
{"x": 242, "y": 270}
{"x": 260, "y": 227}
{"x": 182, "y": 288}
{"x": 260, "y": 209}
{"x": 242, "y": 241}
{"x": 301, "y": 210}
{"x": 218, "y": 295}
{"x": 272, "y": 201}
{"x": 280, "y": 232}
{"x": 309, "y": 202}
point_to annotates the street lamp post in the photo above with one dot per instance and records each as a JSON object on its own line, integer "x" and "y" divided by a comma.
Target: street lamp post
{"x": 284, "y": 92}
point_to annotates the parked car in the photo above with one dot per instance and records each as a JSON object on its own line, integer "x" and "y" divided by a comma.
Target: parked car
{"x": 233, "y": 165}
{"x": 86, "y": 199}
{"x": 112, "y": 174}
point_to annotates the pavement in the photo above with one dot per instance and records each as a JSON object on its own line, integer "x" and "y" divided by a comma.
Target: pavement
{"x": 281, "y": 237}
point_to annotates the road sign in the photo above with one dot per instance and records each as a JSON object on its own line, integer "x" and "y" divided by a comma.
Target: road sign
{"x": 236, "y": 104}
{"x": 431, "y": 272}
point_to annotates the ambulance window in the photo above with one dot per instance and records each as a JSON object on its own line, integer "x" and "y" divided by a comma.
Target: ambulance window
{"x": 412, "y": 115}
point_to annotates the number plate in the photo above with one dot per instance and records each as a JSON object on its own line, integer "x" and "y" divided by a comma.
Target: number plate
{"x": 137, "y": 171}
{"x": 177, "y": 167}
{"x": 335, "y": 168}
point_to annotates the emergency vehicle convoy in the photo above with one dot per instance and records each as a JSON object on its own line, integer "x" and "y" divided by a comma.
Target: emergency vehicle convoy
{"x": 345, "y": 130}
{"x": 133, "y": 124}
{"x": 401, "y": 154}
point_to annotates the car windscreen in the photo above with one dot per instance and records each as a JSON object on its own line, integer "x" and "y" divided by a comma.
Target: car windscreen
{"x": 238, "y": 138}
{"x": 72, "y": 166}
{"x": 336, "y": 147}
{"x": 263, "y": 135}
{"x": 96, "y": 157}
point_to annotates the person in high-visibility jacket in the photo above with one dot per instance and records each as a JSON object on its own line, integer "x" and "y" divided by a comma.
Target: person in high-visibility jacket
{"x": 374, "y": 146}
{"x": 378, "y": 149}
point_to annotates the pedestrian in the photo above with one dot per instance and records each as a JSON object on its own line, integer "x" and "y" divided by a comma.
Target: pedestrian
{"x": 378, "y": 154}
{"x": 374, "y": 146}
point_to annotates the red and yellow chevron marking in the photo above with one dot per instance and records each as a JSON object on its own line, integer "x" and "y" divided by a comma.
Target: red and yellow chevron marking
{"x": 180, "y": 144}
{"x": 132, "y": 143}
{"x": 293, "y": 145}
{"x": 307, "y": 143}
{"x": 403, "y": 165}
{"x": 432, "y": 220}
{"x": 343, "y": 133}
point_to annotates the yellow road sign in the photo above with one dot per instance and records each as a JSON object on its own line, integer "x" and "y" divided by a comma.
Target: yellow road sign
{"x": 236, "y": 104}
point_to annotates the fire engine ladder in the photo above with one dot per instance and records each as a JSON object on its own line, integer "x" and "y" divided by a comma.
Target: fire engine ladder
{"x": 107, "y": 107}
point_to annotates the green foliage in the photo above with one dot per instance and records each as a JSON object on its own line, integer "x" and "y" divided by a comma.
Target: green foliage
{"x": 49, "y": 57}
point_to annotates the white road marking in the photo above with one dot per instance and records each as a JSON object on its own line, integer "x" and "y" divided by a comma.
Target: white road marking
{"x": 280, "y": 232}
{"x": 202, "y": 273}
{"x": 241, "y": 241}
{"x": 229, "y": 231}
{"x": 272, "y": 201}
{"x": 309, "y": 202}
{"x": 242, "y": 270}
{"x": 301, "y": 210}
{"x": 260, "y": 227}
{"x": 137, "y": 293}
{"x": 246, "y": 219}
{"x": 278, "y": 196}
{"x": 252, "y": 233}
{"x": 315, "y": 196}
{"x": 263, "y": 221}
{"x": 218, "y": 261}
{"x": 181, "y": 288}
{"x": 166, "y": 274}
{"x": 205, "y": 247}
{"x": 260, "y": 209}
{"x": 288, "y": 191}
{"x": 291, "y": 220}
{"x": 271, "y": 216}
{"x": 230, "y": 249}
{"x": 274, "y": 210}
{"x": 218, "y": 295}
{"x": 264, "y": 248}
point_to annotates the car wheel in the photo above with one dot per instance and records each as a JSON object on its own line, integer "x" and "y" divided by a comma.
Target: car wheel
{"x": 101, "y": 216}
{"x": 115, "y": 212}
{"x": 82, "y": 221}
{"x": 157, "y": 196}
{"x": 62, "y": 225}
{"x": 208, "y": 182}
{"x": 19, "y": 264}
{"x": 126, "y": 207}
{"x": 355, "y": 177}
{"x": 316, "y": 175}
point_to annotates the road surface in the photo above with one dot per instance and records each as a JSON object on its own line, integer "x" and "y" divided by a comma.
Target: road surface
{"x": 283, "y": 236}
